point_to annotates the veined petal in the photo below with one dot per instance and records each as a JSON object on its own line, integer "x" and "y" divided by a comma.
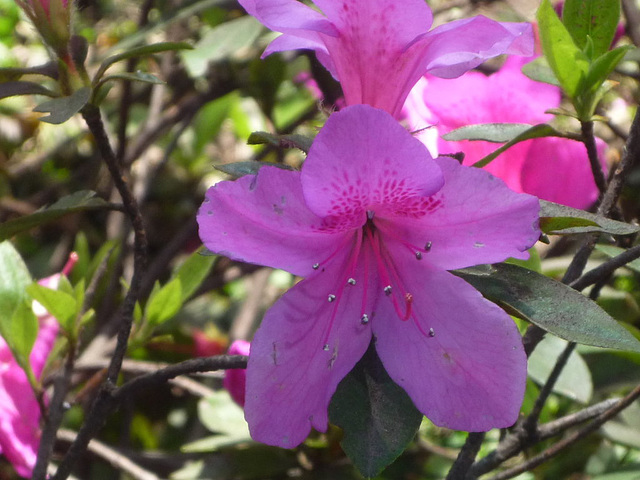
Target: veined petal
{"x": 352, "y": 167}
{"x": 263, "y": 219}
{"x": 368, "y": 55}
{"x": 289, "y": 16}
{"x": 291, "y": 375}
{"x": 459, "y": 357}
{"x": 473, "y": 219}
{"x": 291, "y": 42}
{"x": 456, "y": 47}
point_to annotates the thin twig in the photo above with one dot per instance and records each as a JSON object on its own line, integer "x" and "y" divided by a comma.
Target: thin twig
{"x": 519, "y": 439}
{"x": 607, "y": 268}
{"x": 589, "y": 140}
{"x": 570, "y": 439}
{"x": 115, "y": 458}
{"x": 101, "y": 406}
{"x": 531, "y": 422}
{"x": 467, "y": 455}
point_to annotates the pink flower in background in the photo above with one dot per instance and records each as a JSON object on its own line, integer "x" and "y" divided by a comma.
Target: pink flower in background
{"x": 373, "y": 223}
{"x": 19, "y": 409}
{"x": 378, "y": 49}
{"x": 235, "y": 379}
{"x": 553, "y": 169}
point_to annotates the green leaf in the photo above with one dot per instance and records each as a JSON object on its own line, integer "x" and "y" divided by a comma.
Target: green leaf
{"x": 139, "y": 52}
{"x": 192, "y": 273}
{"x": 568, "y": 62}
{"x": 58, "y": 303}
{"x": 488, "y": 132}
{"x": 613, "y": 251}
{"x": 138, "y": 76}
{"x": 536, "y": 131}
{"x": 558, "y": 219}
{"x": 540, "y": 71}
{"x": 549, "y": 304}
{"x": 594, "y": 19}
{"x": 281, "y": 141}
{"x": 574, "y": 381}
{"x": 164, "y": 303}
{"x": 76, "y": 202}
{"x": 14, "y": 278}
{"x": 8, "y": 74}
{"x": 11, "y": 89}
{"x": 251, "y": 167}
{"x": 222, "y": 42}
{"x": 62, "y": 109}
{"x": 22, "y": 334}
{"x": 601, "y": 68}
{"x": 377, "y": 416}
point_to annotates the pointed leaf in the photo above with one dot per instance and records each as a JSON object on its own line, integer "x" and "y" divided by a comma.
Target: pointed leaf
{"x": 592, "y": 19}
{"x": 8, "y": 74}
{"x": 566, "y": 60}
{"x": 139, "y": 52}
{"x": 62, "y": 109}
{"x": 602, "y": 67}
{"x": 488, "y": 132}
{"x": 61, "y": 305}
{"x": 164, "y": 303}
{"x": 540, "y": 71}
{"x": 536, "y": 131}
{"x": 138, "y": 76}
{"x": 192, "y": 273}
{"x": 549, "y": 304}
{"x": 22, "y": 333}
{"x": 11, "y": 89}
{"x": 556, "y": 219}
{"x": 281, "y": 141}
{"x": 76, "y": 202}
{"x": 377, "y": 416}
{"x": 251, "y": 167}
{"x": 14, "y": 278}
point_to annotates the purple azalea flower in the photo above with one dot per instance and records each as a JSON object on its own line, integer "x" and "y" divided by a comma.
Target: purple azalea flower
{"x": 554, "y": 169}
{"x": 378, "y": 49}
{"x": 19, "y": 411}
{"x": 373, "y": 223}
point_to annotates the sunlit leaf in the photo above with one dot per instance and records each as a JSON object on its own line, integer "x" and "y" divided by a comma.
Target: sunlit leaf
{"x": 592, "y": 19}
{"x": 568, "y": 62}
{"x": 549, "y": 304}
{"x": 164, "y": 303}
{"x": 560, "y": 219}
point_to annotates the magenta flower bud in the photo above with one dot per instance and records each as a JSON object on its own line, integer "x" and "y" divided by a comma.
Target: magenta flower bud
{"x": 235, "y": 379}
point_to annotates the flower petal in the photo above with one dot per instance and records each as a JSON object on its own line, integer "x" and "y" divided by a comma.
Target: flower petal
{"x": 464, "y": 367}
{"x": 368, "y": 55}
{"x": 263, "y": 219}
{"x": 352, "y": 168}
{"x": 290, "y": 376}
{"x": 289, "y": 16}
{"x": 558, "y": 170}
{"x": 454, "y": 48}
{"x": 473, "y": 219}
